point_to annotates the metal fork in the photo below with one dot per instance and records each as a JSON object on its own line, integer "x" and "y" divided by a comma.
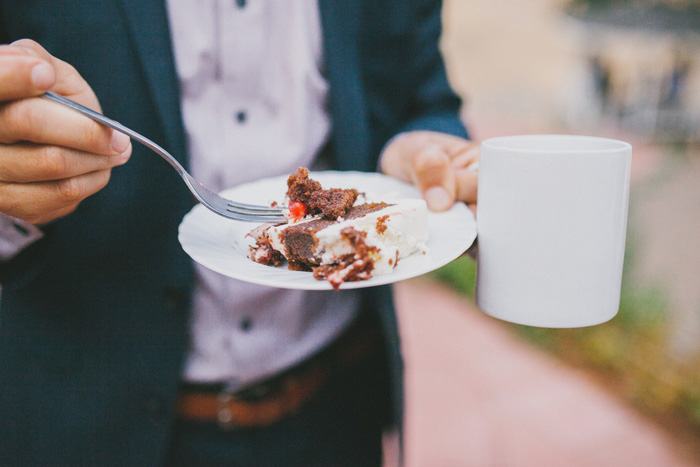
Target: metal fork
{"x": 221, "y": 206}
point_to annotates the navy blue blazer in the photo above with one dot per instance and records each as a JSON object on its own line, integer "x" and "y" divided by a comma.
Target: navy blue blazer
{"x": 93, "y": 318}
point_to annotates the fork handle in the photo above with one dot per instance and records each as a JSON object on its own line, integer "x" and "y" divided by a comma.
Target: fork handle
{"x": 98, "y": 117}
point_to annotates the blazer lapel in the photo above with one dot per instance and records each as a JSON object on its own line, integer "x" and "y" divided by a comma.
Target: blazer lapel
{"x": 150, "y": 33}
{"x": 339, "y": 20}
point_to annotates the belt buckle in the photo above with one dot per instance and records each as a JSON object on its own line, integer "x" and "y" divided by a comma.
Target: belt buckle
{"x": 256, "y": 392}
{"x": 224, "y": 414}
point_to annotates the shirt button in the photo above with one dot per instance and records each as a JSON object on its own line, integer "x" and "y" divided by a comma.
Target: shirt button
{"x": 241, "y": 3}
{"x": 241, "y": 116}
{"x": 246, "y": 324}
{"x": 21, "y": 229}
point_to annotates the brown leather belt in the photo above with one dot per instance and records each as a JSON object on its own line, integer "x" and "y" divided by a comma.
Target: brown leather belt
{"x": 267, "y": 402}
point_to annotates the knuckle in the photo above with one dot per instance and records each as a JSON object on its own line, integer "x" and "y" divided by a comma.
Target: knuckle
{"x": 430, "y": 159}
{"x": 29, "y": 46}
{"x": 22, "y": 121}
{"x": 73, "y": 78}
{"x": 97, "y": 136}
{"x": 70, "y": 69}
{"x": 13, "y": 116}
{"x": 29, "y": 43}
{"x": 69, "y": 190}
{"x": 52, "y": 161}
{"x": 8, "y": 173}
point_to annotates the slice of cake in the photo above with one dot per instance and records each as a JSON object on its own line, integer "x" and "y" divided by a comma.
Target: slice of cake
{"x": 337, "y": 236}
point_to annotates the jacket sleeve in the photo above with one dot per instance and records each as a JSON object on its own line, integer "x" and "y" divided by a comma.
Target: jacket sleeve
{"x": 434, "y": 105}
{"x": 405, "y": 77}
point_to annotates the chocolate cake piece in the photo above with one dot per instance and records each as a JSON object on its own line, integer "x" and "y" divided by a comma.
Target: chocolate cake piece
{"x": 332, "y": 203}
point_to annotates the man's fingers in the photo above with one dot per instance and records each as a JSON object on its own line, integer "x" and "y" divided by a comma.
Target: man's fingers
{"x": 444, "y": 178}
{"x": 28, "y": 162}
{"x": 442, "y": 166}
{"x": 467, "y": 157}
{"x": 40, "y": 202}
{"x": 434, "y": 177}
{"x": 466, "y": 174}
{"x": 43, "y": 122}
{"x": 23, "y": 76}
{"x": 68, "y": 81}
{"x": 454, "y": 146}
{"x": 467, "y": 180}
{"x": 48, "y": 123}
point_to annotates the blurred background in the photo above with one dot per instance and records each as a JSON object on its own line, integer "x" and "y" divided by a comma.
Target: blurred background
{"x": 476, "y": 391}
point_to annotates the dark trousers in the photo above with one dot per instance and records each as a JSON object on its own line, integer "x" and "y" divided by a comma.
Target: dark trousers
{"x": 340, "y": 426}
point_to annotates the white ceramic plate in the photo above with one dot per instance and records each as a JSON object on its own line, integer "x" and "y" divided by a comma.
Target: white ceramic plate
{"x": 222, "y": 246}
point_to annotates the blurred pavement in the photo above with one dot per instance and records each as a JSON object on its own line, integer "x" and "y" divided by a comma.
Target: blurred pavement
{"x": 477, "y": 396}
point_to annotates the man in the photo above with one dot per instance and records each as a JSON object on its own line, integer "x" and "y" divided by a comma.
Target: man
{"x": 110, "y": 339}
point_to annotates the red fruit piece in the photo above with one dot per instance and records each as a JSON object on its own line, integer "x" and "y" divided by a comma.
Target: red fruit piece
{"x": 297, "y": 211}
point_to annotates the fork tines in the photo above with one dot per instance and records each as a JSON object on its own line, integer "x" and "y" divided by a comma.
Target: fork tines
{"x": 255, "y": 212}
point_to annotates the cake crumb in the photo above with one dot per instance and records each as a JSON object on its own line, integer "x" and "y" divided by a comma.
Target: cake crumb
{"x": 381, "y": 224}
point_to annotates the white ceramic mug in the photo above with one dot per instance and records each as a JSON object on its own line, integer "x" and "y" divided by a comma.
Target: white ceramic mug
{"x": 551, "y": 222}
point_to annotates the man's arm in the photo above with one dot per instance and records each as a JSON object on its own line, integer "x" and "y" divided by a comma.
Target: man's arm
{"x": 432, "y": 151}
{"x": 435, "y": 106}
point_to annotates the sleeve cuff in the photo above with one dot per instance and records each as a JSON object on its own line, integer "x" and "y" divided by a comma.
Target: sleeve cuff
{"x": 16, "y": 235}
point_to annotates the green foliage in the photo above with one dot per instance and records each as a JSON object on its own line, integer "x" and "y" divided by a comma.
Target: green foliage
{"x": 597, "y": 3}
{"x": 460, "y": 274}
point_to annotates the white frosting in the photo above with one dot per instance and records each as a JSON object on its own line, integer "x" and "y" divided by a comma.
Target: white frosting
{"x": 406, "y": 233}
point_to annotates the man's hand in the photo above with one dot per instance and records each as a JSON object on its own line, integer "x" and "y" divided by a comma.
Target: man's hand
{"x": 441, "y": 166}
{"x": 51, "y": 158}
